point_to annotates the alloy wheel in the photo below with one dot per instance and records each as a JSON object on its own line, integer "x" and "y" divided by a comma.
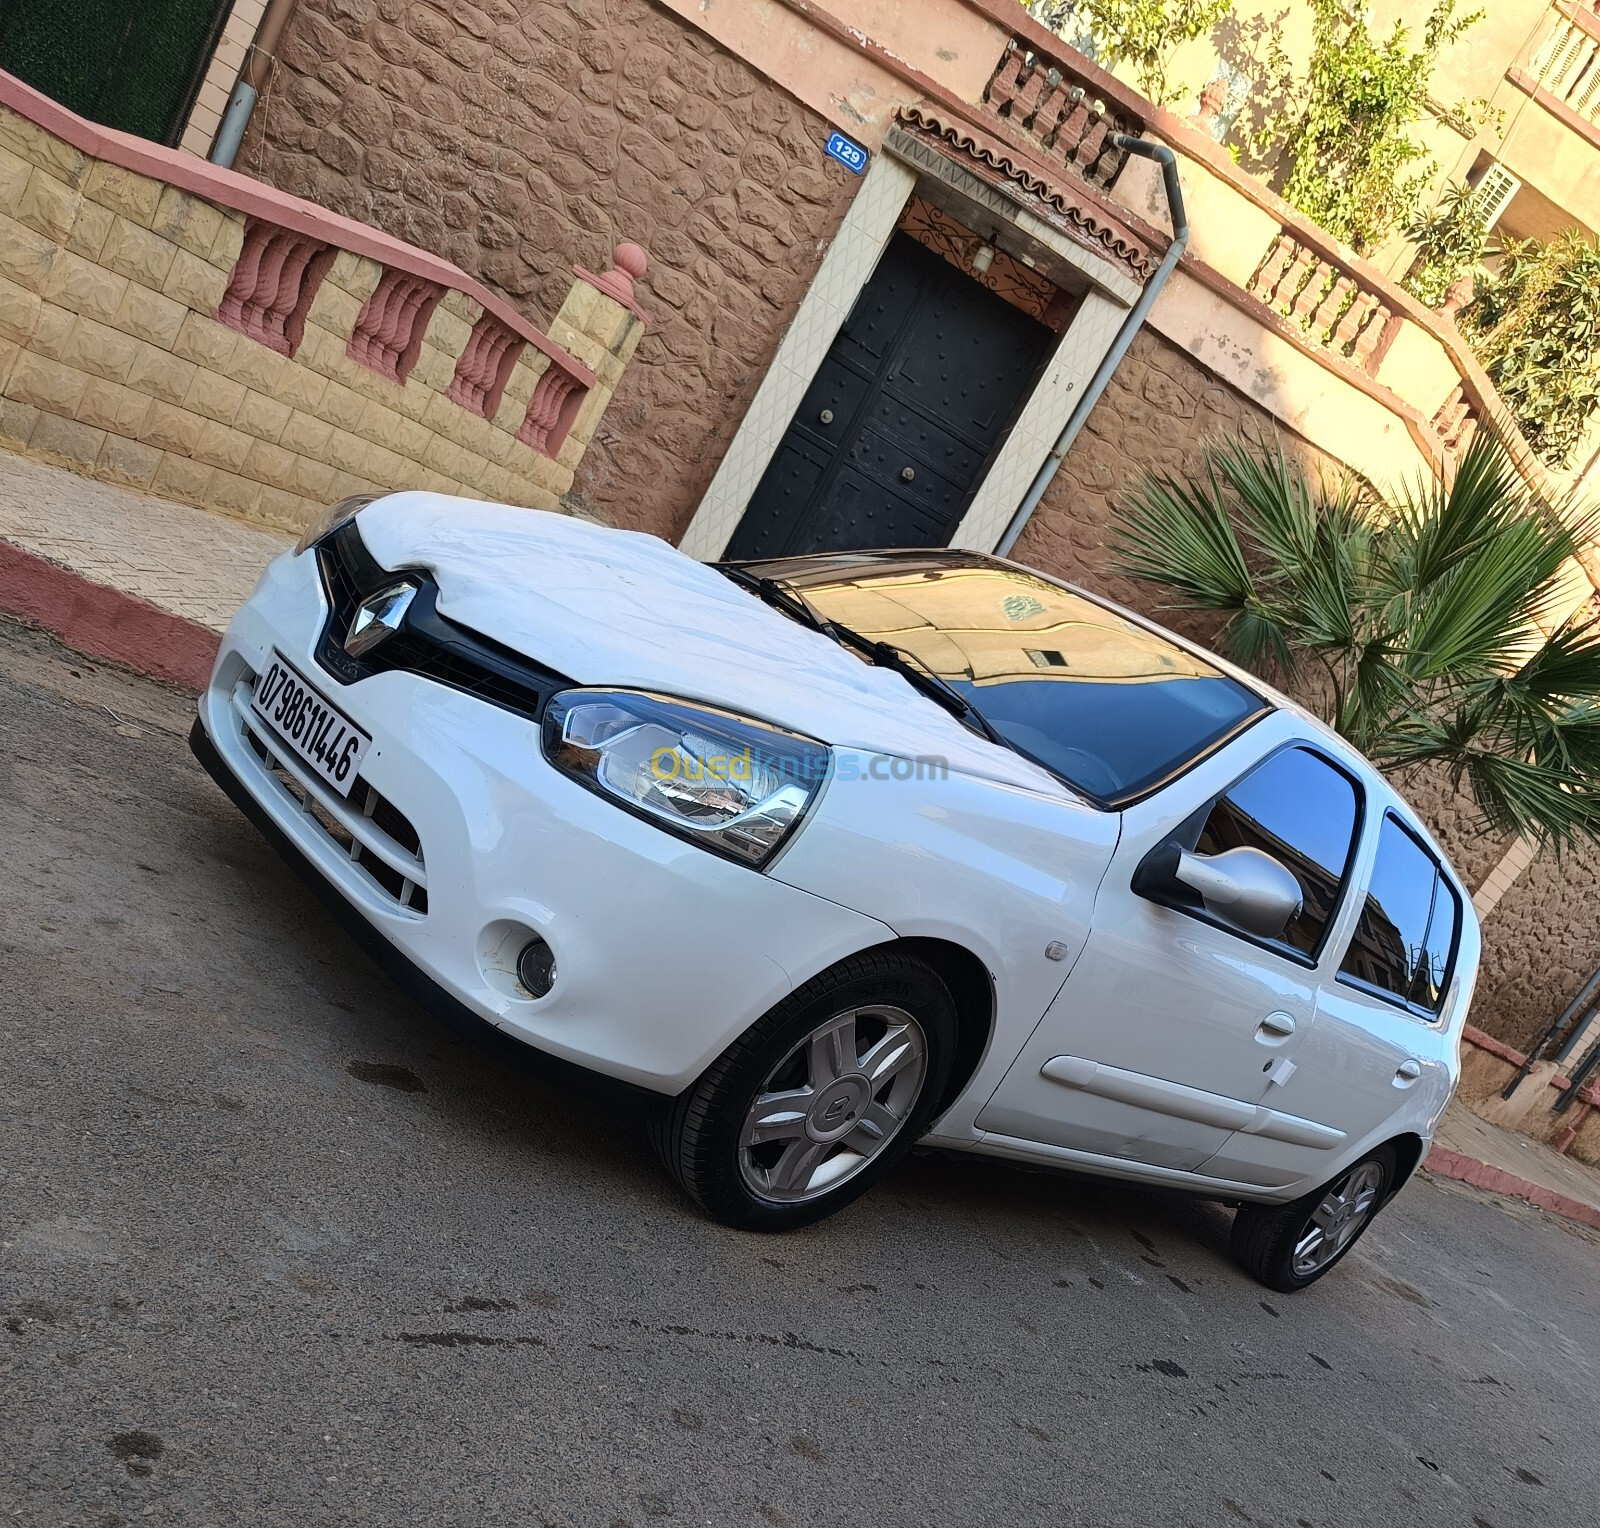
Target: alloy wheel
{"x": 832, "y": 1105}
{"x": 1338, "y": 1219}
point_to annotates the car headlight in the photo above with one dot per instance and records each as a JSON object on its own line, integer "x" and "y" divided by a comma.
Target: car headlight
{"x": 332, "y": 518}
{"x": 734, "y": 786}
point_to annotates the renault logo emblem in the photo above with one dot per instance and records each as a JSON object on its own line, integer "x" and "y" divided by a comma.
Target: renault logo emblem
{"x": 378, "y": 618}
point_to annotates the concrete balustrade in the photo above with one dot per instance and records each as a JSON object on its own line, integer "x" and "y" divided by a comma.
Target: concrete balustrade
{"x": 182, "y": 329}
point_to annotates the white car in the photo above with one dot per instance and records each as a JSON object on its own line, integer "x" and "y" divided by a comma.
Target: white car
{"x": 836, "y": 853}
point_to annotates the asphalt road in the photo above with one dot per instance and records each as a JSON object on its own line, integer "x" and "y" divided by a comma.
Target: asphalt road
{"x": 276, "y": 1248}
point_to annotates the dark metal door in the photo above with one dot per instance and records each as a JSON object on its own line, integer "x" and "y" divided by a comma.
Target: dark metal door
{"x": 915, "y": 396}
{"x": 131, "y": 64}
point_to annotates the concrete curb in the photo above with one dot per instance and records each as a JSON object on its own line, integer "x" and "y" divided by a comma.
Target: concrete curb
{"x": 1451, "y": 1164}
{"x": 102, "y": 622}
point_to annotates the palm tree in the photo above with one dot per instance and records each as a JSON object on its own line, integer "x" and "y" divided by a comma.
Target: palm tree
{"x": 1414, "y": 622}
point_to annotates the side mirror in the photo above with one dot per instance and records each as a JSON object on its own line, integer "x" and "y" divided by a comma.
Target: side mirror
{"x": 1244, "y": 887}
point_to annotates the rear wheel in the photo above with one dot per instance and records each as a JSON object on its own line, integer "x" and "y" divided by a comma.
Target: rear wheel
{"x": 1288, "y": 1246}
{"x": 811, "y": 1106}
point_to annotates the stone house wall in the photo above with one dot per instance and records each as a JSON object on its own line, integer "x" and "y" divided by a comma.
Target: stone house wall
{"x": 1158, "y": 411}
{"x": 1540, "y": 943}
{"x": 520, "y": 137}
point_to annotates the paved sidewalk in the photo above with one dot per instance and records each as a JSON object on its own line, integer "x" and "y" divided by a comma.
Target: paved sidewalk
{"x": 191, "y": 563}
{"x": 1474, "y": 1151}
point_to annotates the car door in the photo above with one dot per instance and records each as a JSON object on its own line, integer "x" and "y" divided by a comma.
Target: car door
{"x": 1378, "y": 1049}
{"x": 1161, "y": 1041}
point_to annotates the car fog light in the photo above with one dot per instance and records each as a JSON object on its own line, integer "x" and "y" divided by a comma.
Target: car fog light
{"x": 536, "y": 967}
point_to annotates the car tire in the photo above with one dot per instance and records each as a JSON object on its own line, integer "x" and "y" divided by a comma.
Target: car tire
{"x": 849, "y": 1066}
{"x": 1273, "y": 1242}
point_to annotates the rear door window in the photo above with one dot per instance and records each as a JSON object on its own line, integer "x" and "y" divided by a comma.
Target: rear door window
{"x": 1303, "y": 811}
{"x": 1405, "y": 939}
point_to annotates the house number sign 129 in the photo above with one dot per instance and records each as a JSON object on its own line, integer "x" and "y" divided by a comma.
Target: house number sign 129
{"x": 850, "y": 154}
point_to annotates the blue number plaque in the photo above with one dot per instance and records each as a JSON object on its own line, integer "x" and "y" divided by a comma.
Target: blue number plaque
{"x": 851, "y": 155}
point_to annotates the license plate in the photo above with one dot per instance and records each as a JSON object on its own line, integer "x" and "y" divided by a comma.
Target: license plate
{"x": 320, "y": 734}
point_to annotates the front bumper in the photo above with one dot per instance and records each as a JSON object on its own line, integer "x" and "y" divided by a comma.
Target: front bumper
{"x": 664, "y": 953}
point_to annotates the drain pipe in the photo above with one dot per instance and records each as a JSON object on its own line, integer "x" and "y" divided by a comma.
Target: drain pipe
{"x": 1564, "y": 1032}
{"x": 1119, "y": 346}
{"x": 259, "y": 59}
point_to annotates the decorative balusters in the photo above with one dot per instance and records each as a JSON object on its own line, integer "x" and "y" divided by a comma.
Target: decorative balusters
{"x": 1338, "y": 301}
{"x": 1327, "y": 304}
{"x": 1044, "y": 100}
{"x": 1456, "y": 422}
{"x": 273, "y": 283}
{"x": 1274, "y": 267}
{"x": 485, "y": 367}
{"x": 388, "y": 334}
{"x": 554, "y": 405}
{"x": 1567, "y": 63}
{"x": 1354, "y": 323}
{"x": 1309, "y": 298}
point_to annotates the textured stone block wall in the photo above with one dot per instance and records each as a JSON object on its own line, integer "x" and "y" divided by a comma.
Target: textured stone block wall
{"x": 519, "y": 137}
{"x": 1156, "y": 415}
{"x": 112, "y": 362}
{"x": 1540, "y": 943}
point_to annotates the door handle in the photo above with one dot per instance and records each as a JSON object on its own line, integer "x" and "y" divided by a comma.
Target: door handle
{"x": 1279, "y": 1024}
{"x": 1408, "y": 1071}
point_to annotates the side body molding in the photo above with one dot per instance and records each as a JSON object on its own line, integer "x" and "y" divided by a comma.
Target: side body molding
{"x": 1174, "y": 1098}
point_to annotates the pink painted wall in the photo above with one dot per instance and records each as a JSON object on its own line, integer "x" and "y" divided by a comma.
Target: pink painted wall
{"x": 817, "y": 52}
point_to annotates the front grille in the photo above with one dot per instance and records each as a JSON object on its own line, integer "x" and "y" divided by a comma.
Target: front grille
{"x": 369, "y": 829}
{"x": 428, "y": 643}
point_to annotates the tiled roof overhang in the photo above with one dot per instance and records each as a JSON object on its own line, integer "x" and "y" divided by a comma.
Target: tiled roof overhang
{"x": 1068, "y": 204}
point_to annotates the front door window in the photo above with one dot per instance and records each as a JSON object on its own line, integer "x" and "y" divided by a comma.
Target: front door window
{"x": 1299, "y": 809}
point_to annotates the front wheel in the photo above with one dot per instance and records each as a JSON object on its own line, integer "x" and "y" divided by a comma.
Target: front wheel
{"x": 813, "y": 1104}
{"x": 1288, "y": 1246}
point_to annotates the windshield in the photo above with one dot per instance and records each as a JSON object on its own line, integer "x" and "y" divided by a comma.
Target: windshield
{"x": 1111, "y": 706}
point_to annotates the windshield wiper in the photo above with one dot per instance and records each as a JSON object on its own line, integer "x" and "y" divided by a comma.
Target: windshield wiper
{"x": 780, "y": 596}
{"x": 887, "y": 655}
{"x": 884, "y": 654}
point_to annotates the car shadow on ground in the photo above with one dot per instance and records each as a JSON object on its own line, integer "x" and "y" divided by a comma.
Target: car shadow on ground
{"x": 1008, "y": 1192}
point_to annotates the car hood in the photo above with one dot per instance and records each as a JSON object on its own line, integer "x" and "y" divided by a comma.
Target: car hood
{"x": 611, "y": 607}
